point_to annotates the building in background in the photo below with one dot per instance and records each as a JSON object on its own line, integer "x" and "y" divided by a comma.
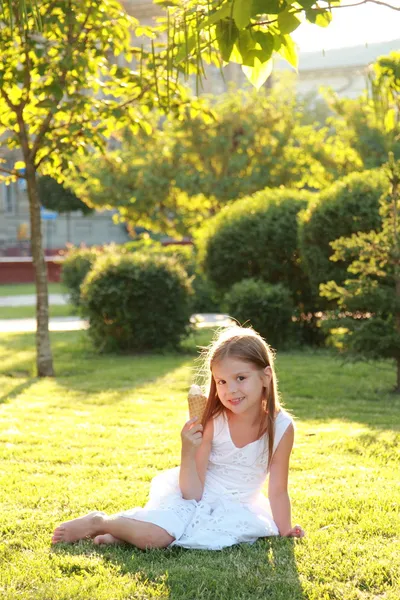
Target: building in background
{"x": 342, "y": 69}
{"x": 58, "y": 230}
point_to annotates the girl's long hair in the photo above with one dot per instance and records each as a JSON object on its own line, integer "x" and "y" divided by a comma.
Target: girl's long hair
{"x": 247, "y": 345}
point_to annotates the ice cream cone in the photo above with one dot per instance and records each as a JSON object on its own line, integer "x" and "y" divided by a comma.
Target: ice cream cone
{"x": 197, "y": 402}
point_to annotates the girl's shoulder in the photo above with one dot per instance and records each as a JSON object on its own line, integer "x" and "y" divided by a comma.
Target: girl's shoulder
{"x": 219, "y": 423}
{"x": 283, "y": 417}
{"x": 282, "y": 421}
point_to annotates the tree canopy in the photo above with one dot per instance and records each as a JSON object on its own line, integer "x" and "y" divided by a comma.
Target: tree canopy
{"x": 369, "y": 299}
{"x": 55, "y": 196}
{"x": 190, "y": 167}
{"x": 370, "y": 123}
{"x": 222, "y": 31}
{"x": 62, "y": 93}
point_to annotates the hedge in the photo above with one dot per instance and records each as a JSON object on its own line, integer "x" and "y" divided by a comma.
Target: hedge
{"x": 136, "y": 302}
{"x": 256, "y": 237}
{"x": 348, "y": 206}
{"x": 268, "y": 308}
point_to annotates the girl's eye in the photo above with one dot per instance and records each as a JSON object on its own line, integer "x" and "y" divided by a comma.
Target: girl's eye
{"x": 241, "y": 378}
{"x": 220, "y": 382}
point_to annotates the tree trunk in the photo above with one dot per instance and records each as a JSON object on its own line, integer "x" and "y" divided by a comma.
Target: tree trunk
{"x": 44, "y": 359}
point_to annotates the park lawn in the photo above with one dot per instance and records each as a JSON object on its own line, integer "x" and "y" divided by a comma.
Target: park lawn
{"x": 29, "y": 312}
{"x": 22, "y": 289}
{"x": 94, "y": 437}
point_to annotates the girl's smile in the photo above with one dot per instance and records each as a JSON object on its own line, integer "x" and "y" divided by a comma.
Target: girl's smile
{"x": 236, "y": 401}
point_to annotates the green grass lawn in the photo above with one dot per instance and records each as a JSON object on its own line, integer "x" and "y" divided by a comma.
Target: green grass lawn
{"x": 94, "y": 437}
{"x": 22, "y": 289}
{"x": 28, "y": 312}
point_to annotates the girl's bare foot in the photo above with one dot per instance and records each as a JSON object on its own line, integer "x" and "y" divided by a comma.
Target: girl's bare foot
{"x": 107, "y": 538}
{"x": 78, "y": 529}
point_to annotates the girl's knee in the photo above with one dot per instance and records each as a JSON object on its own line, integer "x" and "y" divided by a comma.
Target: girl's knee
{"x": 157, "y": 538}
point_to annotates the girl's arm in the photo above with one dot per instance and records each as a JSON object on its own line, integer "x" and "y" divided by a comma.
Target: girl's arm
{"x": 196, "y": 448}
{"x": 278, "y": 486}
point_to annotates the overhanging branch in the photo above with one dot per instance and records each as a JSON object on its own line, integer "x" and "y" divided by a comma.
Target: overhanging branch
{"x": 12, "y": 172}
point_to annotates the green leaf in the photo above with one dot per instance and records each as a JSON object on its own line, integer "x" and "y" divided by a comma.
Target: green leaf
{"x": 236, "y": 56}
{"x": 323, "y": 19}
{"x": 144, "y": 30}
{"x": 319, "y": 17}
{"x": 243, "y": 50}
{"x": 221, "y": 13}
{"x": 242, "y": 13}
{"x": 55, "y": 90}
{"x": 287, "y": 22}
{"x": 258, "y": 45}
{"x": 267, "y": 7}
{"x": 390, "y": 120}
{"x": 277, "y": 42}
{"x": 227, "y": 34}
{"x": 185, "y": 49}
{"x": 288, "y": 51}
{"x": 146, "y": 126}
{"x": 306, "y": 3}
{"x": 266, "y": 41}
{"x": 46, "y": 103}
{"x": 258, "y": 74}
{"x": 166, "y": 3}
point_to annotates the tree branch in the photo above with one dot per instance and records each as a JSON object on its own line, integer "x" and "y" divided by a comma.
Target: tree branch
{"x": 10, "y": 105}
{"x": 379, "y": 2}
{"x": 12, "y": 172}
{"x": 82, "y": 28}
{"x": 42, "y": 132}
{"x": 331, "y": 8}
{"x": 46, "y": 122}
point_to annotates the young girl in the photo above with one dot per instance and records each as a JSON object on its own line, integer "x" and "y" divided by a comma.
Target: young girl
{"x": 214, "y": 500}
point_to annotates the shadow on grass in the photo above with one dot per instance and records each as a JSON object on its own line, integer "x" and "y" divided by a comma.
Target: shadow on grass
{"x": 314, "y": 385}
{"x": 266, "y": 569}
{"x": 18, "y": 389}
{"x": 78, "y": 367}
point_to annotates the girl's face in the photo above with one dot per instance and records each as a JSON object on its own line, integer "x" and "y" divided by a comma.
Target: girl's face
{"x": 240, "y": 385}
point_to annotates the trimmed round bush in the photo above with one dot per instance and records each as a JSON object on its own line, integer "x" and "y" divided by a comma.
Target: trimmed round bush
{"x": 267, "y": 307}
{"x": 348, "y": 206}
{"x": 256, "y": 237}
{"x": 184, "y": 254}
{"x": 136, "y": 302}
{"x": 76, "y": 265}
{"x": 203, "y": 298}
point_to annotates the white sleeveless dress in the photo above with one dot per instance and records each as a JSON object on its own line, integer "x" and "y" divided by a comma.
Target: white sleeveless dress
{"x": 232, "y": 509}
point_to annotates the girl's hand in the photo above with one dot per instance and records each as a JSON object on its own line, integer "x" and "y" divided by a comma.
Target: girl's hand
{"x": 192, "y": 435}
{"x": 296, "y": 531}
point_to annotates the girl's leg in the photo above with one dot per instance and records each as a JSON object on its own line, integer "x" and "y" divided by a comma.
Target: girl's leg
{"x": 139, "y": 533}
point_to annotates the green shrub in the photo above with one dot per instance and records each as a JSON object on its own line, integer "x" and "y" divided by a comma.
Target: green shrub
{"x": 76, "y": 265}
{"x": 204, "y": 295}
{"x": 203, "y": 299}
{"x": 256, "y": 237}
{"x": 184, "y": 254}
{"x": 136, "y": 302}
{"x": 348, "y": 206}
{"x": 267, "y": 307}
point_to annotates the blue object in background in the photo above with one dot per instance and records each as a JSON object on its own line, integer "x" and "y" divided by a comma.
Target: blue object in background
{"x": 48, "y": 215}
